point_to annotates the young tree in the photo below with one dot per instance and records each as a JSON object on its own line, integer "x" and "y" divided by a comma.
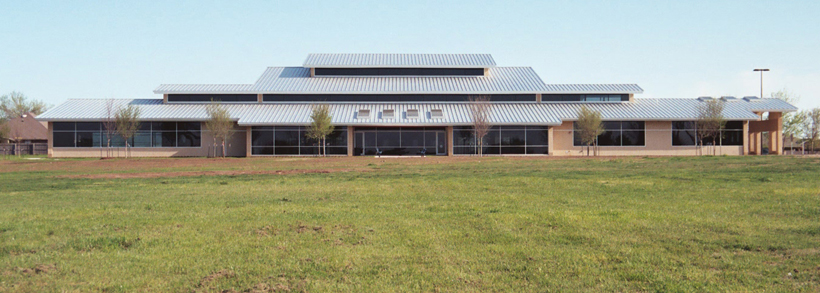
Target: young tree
{"x": 16, "y": 104}
{"x": 320, "y": 126}
{"x": 219, "y": 124}
{"x": 589, "y": 126}
{"x": 4, "y": 129}
{"x": 127, "y": 121}
{"x": 812, "y": 126}
{"x": 710, "y": 122}
{"x": 110, "y": 125}
{"x": 480, "y": 116}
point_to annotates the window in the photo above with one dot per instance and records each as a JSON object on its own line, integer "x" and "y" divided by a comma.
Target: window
{"x": 172, "y": 98}
{"x": 392, "y": 98}
{"x": 685, "y": 133}
{"x": 584, "y": 98}
{"x": 412, "y": 113}
{"x": 290, "y": 140}
{"x": 398, "y": 71}
{"x": 618, "y": 133}
{"x": 436, "y": 114}
{"x": 363, "y": 114}
{"x": 503, "y": 140}
{"x": 388, "y": 114}
{"x": 149, "y": 134}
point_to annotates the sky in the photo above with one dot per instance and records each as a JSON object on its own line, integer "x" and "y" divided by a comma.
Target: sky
{"x": 54, "y": 51}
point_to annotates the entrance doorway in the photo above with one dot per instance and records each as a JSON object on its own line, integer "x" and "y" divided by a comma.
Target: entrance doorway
{"x": 399, "y": 141}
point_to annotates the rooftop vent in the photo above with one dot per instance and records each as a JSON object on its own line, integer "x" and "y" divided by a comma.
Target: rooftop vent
{"x": 705, "y": 98}
{"x": 728, "y": 99}
{"x": 436, "y": 114}
{"x": 388, "y": 114}
{"x": 751, "y": 98}
{"x": 412, "y": 113}
{"x": 363, "y": 114}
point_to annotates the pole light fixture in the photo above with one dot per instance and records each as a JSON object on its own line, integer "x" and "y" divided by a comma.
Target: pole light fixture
{"x": 761, "y": 79}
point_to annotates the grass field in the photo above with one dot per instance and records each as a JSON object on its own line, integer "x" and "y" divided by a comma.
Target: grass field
{"x": 411, "y": 224}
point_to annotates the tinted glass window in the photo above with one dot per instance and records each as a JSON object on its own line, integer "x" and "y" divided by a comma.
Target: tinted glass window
{"x": 63, "y": 126}
{"x": 618, "y": 133}
{"x": 212, "y": 97}
{"x": 399, "y": 71}
{"x": 392, "y": 98}
{"x": 63, "y": 139}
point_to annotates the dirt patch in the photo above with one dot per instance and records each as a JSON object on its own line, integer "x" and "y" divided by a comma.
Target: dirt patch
{"x": 196, "y": 173}
{"x": 38, "y": 269}
{"x": 218, "y": 275}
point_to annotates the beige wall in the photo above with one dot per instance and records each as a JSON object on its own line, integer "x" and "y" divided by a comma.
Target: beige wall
{"x": 658, "y": 143}
{"x": 237, "y": 148}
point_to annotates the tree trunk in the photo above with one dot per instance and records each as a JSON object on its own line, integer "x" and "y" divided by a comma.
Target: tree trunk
{"x": 324, "y": 147}
{"x": 224, "y": 151}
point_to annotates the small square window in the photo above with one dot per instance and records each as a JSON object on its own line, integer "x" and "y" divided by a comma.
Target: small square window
{"x": 388, "y": 114}
{"x": 436, "y": 114}
{"x": 363, "y": 114}
{"x": 412, "y": 113}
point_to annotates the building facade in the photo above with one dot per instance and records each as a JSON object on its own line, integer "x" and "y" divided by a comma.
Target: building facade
{"x": 412, "y": 104}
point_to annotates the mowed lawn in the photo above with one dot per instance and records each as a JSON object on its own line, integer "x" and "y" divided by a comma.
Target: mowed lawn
{"x": 411, "y": 224}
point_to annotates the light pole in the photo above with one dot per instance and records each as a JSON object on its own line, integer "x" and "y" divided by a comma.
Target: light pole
{"x": 761, "y": 79}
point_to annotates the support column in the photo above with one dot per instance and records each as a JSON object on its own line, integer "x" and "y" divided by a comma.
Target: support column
{"x": 50, "y": 139}
{"x": 259, "y": 98}
{"x": 745, "y": 138}
{"x": 550, "y": 140}
{"x": 449, "y": 131}
{"x": 248, "y": 150}
{"x": 350, "y": 144}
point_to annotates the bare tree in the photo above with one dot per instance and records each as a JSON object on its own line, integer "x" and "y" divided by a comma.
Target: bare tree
{"x": 127, "y": 120}
{"x": 792, "y": 121}
{"x": 812, "y": 126}
{"x": 16, "y": 104}
{"x": 710, "y": 123}
{"x": 219, "y": 124}
{"x": 320, "y": 126}
{"x": 589, "y": 126}
{"x": 480, "y": 116}
{"x": 110, "y": 125}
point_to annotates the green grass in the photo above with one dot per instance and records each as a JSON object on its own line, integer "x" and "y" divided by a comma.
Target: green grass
{"x": 491, "y": 224}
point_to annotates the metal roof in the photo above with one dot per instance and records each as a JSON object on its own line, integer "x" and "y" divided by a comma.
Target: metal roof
{"x": 454, "y": 113}
{"x": 499, "y": 80}
{"x": 401, "y": 60}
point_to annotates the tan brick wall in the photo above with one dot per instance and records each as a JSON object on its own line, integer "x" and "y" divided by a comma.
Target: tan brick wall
{"x": 237, "y": 148}
{"x": 658, "y": 143}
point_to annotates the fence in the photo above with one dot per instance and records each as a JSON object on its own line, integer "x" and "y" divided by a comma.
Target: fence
{"x": 24, "y": 149}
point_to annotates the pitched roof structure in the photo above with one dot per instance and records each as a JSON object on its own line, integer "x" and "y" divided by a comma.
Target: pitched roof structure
{"x": 453, "y": 113}
{"x": 400, "y": 60}
{"x": 26, "y": 128}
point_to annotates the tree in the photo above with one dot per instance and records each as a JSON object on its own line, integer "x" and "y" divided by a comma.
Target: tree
{"x": 792, "y": 121}
{"x": 4, "y": 129}
{"x": 110, "y": 125}
{"x": 710, "y": 122}
{"x": 320, "y": 126}
{"x": 812, "y": 126}
{"x": 127, "y": 120}
{"x": 480, "y": 116}
{"x": 588, "y": 127}
{"x": 219, "y": 123}
{"x": 16, "y": 104}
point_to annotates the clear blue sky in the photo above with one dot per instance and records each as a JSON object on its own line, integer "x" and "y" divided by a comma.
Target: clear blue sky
{"x": 55, "y": 51}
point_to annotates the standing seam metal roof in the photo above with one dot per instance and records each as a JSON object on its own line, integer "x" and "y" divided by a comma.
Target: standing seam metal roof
{"x": 499, "y": 80}
{"x": 401, "y": 60}
{"x": 454, "y": 113}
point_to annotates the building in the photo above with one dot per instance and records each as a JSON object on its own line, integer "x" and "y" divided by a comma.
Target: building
{"x": 23, "y": 135}
{"x": 403, "y": 104}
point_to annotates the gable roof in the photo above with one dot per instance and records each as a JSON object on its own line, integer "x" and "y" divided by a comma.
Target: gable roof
{"x": 401, "y": 60}
{"x": 26, "y": 128}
